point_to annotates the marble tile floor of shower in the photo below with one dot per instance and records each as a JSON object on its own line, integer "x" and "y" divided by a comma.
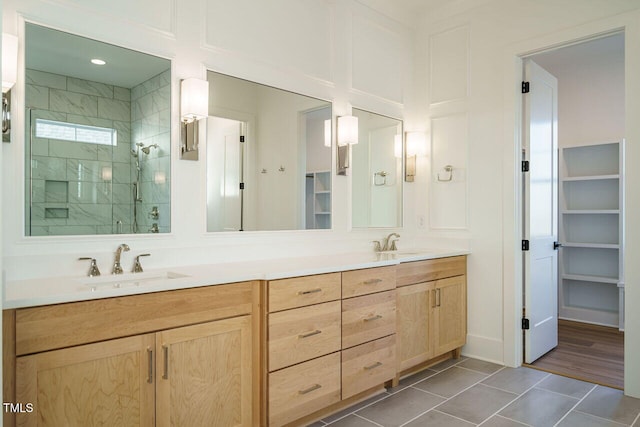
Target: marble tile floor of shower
{"x": 469, "y": 392}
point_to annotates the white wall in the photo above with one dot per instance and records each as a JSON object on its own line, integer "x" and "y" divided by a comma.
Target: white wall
{"x": 479, "y": 97}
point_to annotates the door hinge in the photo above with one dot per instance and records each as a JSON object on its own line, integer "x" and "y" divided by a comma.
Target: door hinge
{"x": 525, "y": 323}
{"x": 525, "y": 87}
{"x": 242, "y": 185}
{"x": 241, "y": 138}
{"x": 525, "y": 245}
{"x": 525, "y": 166}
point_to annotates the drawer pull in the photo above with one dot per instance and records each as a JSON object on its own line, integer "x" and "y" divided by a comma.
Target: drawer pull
{"x": 372, "y": 281}
{"x": 312, "y": 291}
{"x": 310, "y": 334}
{"x": 376, "y": 317}
{"x": 150, "y": 372}
{"x": 310, "y": 389}
{"x": 375, "y": 365}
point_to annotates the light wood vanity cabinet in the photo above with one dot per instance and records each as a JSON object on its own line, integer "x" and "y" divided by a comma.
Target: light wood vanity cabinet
{"x": 329, "y": 337}
{"x": 432, "y": 314}
{"x": 148, "y": 378}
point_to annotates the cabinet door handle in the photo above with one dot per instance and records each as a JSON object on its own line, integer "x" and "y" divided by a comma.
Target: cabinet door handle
{"x": 376, "y": 317}
{"x": 375, "y": 365}
{"x": 433, "y": 301}
{"x": 150, "y": 371}
{"x": 372, "y": 281}
{"x": 312, "y": 291}
{"x": 438, "y": 297}
{"x": 165, "y": 350}
{"x": 310, "y": 389}
{"x": 310, "y": 334}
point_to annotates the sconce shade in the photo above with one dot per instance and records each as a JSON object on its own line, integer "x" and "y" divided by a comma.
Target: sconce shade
{"x": 9, "y": 61}
{"x": 347, "y": 130}
{"x": 397, "y": 146}
{"x": 416, "y": 144}
{"x": 194, "y": 99}
{"x": 327, "y": 133}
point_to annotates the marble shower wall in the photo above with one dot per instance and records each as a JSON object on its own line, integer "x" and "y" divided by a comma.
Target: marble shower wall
{"x": 150, "y": 124}
{"x": 72, "y": 191}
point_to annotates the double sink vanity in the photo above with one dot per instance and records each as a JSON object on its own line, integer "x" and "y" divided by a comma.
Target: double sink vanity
{"x": 275, "y": 343}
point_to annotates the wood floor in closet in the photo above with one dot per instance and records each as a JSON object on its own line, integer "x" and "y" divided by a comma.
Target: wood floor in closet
{"x": 587, "y": 352}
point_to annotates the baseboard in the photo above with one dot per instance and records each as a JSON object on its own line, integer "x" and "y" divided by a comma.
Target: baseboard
{"x": 484, "y": 348}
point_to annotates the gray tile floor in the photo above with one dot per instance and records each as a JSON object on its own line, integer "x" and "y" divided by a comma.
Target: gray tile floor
{"x": 469, "y": 392}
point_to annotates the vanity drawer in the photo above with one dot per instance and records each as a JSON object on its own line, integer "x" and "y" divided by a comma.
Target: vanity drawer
{"x": 301, "y": 291}
{"x": 409, "y": 273}
{"x": 367, "y": 281}
{"x": 303, "y": 389}
{"x": 303, "y": 333}
{"x": 368, "y": 317}
{"x": 368, "y": 365}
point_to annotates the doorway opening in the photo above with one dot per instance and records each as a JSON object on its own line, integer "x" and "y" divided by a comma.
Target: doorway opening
{"x": 589, "y": 311}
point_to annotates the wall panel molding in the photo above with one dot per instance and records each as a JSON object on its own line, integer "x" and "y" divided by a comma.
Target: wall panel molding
{"x": 449, "y": 65}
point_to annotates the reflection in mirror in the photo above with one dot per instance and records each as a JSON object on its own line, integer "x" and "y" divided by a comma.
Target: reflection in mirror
{"x": 377, "y": 171}
{"x": 97, "y": 137}
{"x": 268, "y": 161}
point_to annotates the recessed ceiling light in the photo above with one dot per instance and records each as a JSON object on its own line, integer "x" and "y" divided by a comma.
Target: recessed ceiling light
{"x": 97, "y": 61}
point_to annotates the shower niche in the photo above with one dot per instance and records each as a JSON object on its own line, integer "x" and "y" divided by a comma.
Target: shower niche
{"x": 97, "y": 137}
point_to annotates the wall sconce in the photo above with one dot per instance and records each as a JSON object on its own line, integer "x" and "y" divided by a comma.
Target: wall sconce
{"x": 347, "y": 135}
{"x": 9, "y": 77}
{"x": 194, "y": 106}
{"x": 415, "y": 146}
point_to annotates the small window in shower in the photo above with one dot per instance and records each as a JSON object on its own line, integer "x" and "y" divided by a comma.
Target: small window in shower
{"x": 75, "y": 132}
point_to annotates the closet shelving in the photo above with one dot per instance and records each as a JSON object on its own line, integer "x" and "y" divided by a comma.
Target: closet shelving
{"x": 591, "y": 233}
{"x": 319, "y": 200}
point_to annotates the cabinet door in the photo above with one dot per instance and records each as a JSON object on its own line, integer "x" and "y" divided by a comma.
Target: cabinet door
{"x": 415, "y": 341}
{"x": 449, "y": 314}
{"x": 104, "y": 384}
{"x": 204, "y": 374}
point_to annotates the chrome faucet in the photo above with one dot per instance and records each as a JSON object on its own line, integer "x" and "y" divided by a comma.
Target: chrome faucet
{"x": 137, "y": 266}
{"x": 93, "y": 269}
{"x": 117, "y": 268}
{"x": 390, "y": 242}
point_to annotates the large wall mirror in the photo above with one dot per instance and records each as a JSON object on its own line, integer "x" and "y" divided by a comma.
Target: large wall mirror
{"x": 268, "y": 158}
{"x": 97, "y": 137}
{"x": 377, "y": 171}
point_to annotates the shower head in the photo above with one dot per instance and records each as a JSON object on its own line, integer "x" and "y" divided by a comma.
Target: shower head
{"x": 148, "y": 148}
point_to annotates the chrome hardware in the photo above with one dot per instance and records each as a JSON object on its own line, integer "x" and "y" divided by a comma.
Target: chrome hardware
{"x": 376, "y": 246}
{"x": 310, "y": 389}
{"x": 375, "y": 365}
{"x": 137, "y": 267}
{"x": 117, "y": 268}
{"x": 93, "y": 268}
{"x": 310, "y": 334}
{"x": 154, "y": 228}
{"x": 376, "y": 317}
{"x": 155, "y": 213}
{"x": 438, "y": 297}
{"x": 389, "y": 243}
{"x": 372, "y": 281}
{"x": 150, "y": 372}
{"x": 165, "y": 350}
{"x": 312, "y": 291}
{"x": 448, "y": 169}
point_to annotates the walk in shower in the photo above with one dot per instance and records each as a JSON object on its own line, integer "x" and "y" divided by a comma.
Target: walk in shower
{"x": 97, "y": 138}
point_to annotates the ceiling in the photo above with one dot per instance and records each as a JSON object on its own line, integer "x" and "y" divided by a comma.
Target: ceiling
{"x": 69, "y": 55}
{"x": 601, "y": 50}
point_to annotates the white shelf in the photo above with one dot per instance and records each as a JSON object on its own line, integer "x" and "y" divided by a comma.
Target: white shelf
{"x": 318, "y": 200}
{"x": 591, "y": 229}
{"x": 589, "y": 278}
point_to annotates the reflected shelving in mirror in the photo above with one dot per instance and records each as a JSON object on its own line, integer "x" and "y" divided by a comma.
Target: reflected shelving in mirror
{"x": 97, "y": 136}
{"x": 268, "y": 155}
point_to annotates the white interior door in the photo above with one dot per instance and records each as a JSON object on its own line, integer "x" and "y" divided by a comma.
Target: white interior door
{"x": 224, "y": 174}
{"x": 540, "y": 211}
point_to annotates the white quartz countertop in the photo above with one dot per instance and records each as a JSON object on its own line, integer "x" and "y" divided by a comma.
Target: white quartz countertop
{"x": 45, "y": 291}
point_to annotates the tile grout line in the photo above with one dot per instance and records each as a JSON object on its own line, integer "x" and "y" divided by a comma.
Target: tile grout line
{"x": 575, "y": 406}
{"x": 633, "y": 424}
{"x": 384, "y": 396}
{"x": 507, "y": 418}
{"x": 603, "y": 419}
{"x": 367, "y": 419}
{"x": 510, "y": 402}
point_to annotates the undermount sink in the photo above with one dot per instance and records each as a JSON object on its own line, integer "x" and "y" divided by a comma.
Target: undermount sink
{"x": 408, "y": 252}
{"x": 129, "y": 280}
